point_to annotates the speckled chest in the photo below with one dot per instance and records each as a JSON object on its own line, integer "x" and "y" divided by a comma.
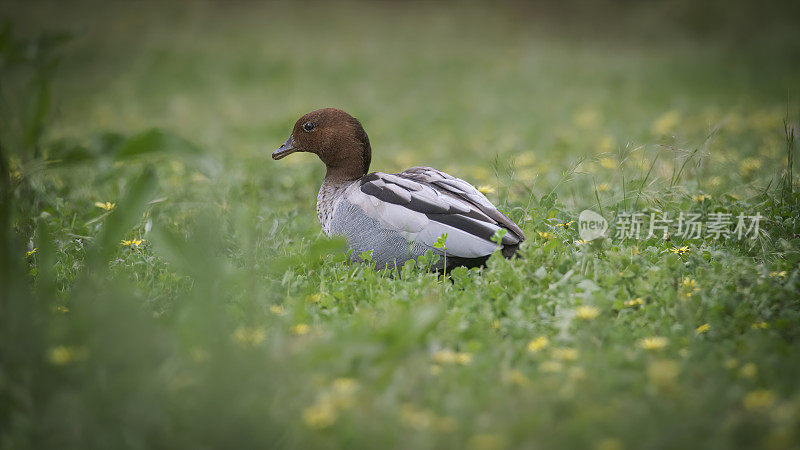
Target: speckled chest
{"x": 329, "y": 197}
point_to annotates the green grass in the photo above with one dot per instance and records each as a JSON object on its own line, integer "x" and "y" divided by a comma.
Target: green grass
{"x": 227, "y": 319}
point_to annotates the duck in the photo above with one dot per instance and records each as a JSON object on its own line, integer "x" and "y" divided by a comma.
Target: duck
{"x": 396, "y": 217}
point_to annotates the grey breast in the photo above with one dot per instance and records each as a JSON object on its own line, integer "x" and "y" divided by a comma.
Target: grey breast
{"x": 364, "y": 233}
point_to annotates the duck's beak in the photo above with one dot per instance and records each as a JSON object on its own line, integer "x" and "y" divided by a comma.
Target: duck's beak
{"x": 285, "y": 149}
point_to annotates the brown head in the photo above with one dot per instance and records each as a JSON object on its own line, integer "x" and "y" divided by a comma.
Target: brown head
{"x": 336, "y": 137}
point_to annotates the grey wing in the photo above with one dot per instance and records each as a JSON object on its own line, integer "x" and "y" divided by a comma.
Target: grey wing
{"x": 465, "y": 191}
{"x": 422, "y": 212}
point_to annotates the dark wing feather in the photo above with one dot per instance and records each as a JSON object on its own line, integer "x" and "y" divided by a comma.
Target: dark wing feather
{"x": 464, "y": 191}
{"x": 442, "y": 202}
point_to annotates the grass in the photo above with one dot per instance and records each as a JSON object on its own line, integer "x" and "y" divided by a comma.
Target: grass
{"x": 166, "y": 284}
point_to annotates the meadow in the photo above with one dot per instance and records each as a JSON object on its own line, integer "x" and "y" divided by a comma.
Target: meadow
{"x": 165, "y": 284}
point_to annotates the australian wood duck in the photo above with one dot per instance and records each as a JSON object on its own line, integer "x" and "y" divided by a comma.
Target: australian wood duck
{"x": 398, "y": 216}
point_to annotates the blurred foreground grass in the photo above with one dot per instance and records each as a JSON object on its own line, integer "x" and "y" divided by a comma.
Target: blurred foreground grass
{"x": 165, "y": 284}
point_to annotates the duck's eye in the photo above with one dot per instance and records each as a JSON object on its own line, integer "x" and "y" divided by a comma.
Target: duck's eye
{"x": 308, "y": 126}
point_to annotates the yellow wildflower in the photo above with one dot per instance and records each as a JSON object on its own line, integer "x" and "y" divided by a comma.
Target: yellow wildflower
{"x": 749, "y": 165}
{"x": 516, "y": 377}
{"x": 609, "y": 444}
{"x": 487, "y": 441}
{"x": 249, "y": 336}
{"x": 277, "y": 310}
{"x": 700, "y": 198}
{"x": 759, "y": 399}
{"x": 608, "y": 163}
{"x": 634, "y": 302}
{"x": 319, "y": 415}
{"x": 587, "y": 312}
{"x": 132, "y": 242}
{"x": 495, "y": 324}
{"x": 300, "y": 329}
{"x": 345, "y": 386}
{"x": 775, "y": 274}
{"x": 525, "y": 159}
{"x": 759, "y": 325}
{"x": 314, "y": 298}
{"x": 445, "y": 424}
{"x": 586, "y": 118}
{"x": 537, "y": 344}
{"x": 448, "y": 356}
{"x": 551, "y": 366}
{"x": 63, "y": 355}
{"x": 703, "y": 328}
{"x": 666, "y": 123}
{"x": 545, "y": 235}
{"x": 680, "y": 251}
{"x": 606, "y": 144}
{"x": 748, "y": 370}
{"x": 464, "y": 358}
{"x": 479, "y": 172}
{"x": 108, "y": 206}
{"x": 688, "y": 287}
{"x": 486, "y": 189}
{"x": 662, "y": 373}
{"x": 413, "y": 417}
{"x": 29, "y": 253}
{"x": 653, "y": 343}
{"x": 566, "y": 354}
{"x": 527, "y": 174}
{"x": 445, "y": 356}
{"x": 62, "y": 309}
